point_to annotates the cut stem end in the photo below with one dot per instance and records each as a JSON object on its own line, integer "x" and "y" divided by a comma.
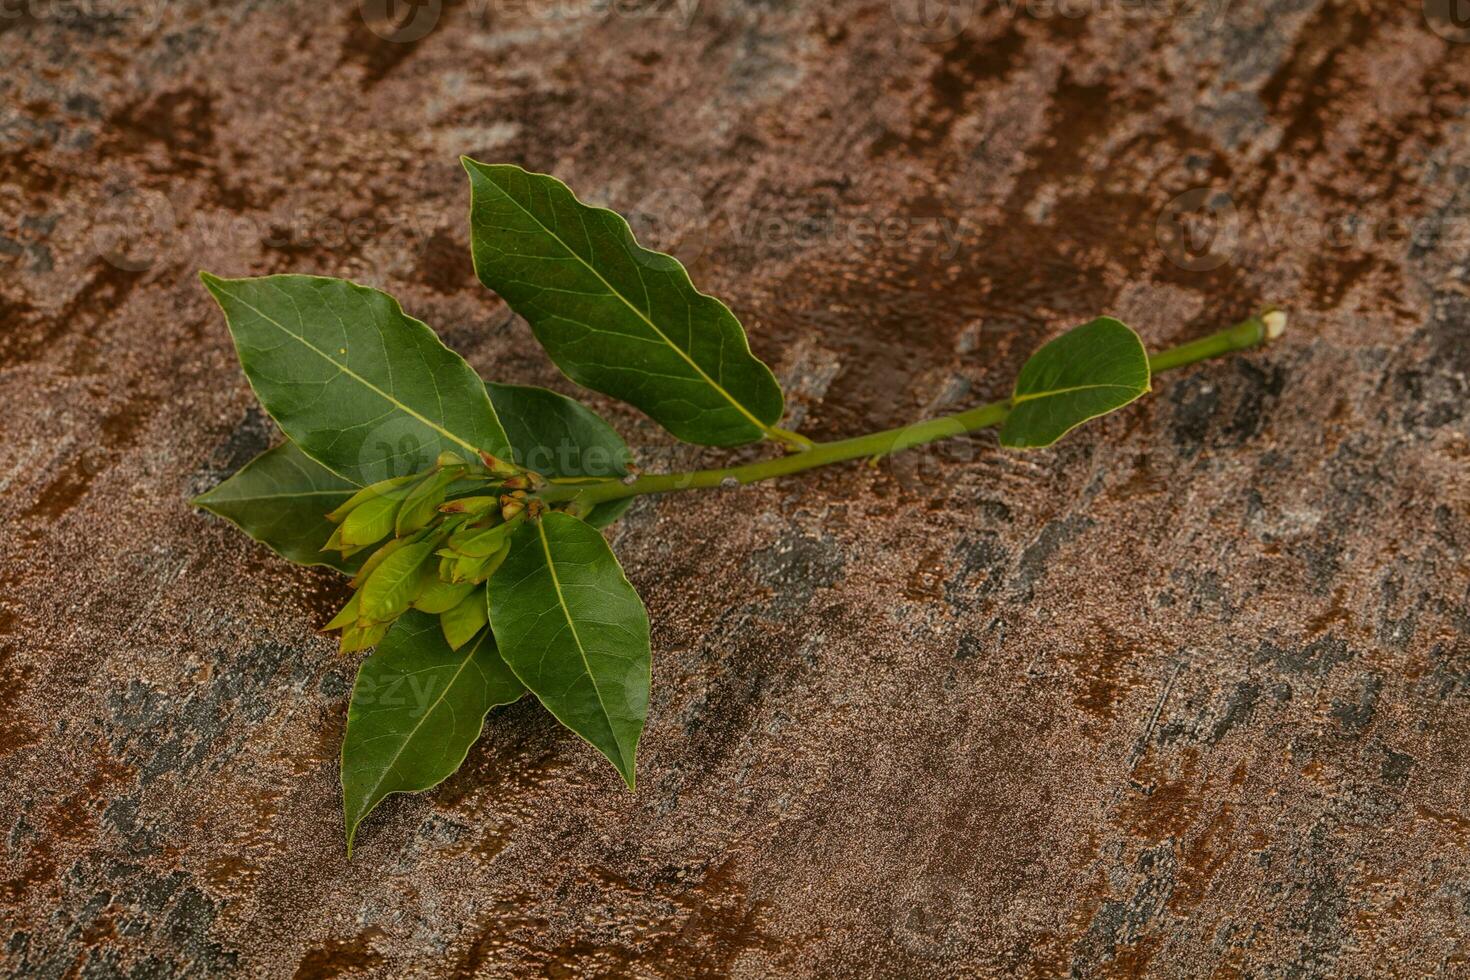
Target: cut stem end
{"x": 1275, "y": 321}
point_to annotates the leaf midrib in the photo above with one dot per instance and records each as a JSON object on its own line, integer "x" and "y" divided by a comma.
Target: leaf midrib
{"x": 1020, "y": 399}
{"x": 344, "y": 369}
{"x": 636, "y": 311}
{"x": 255, "y": 498}
{"x": 571, "y": 624}
{"x": 422, "y": 719}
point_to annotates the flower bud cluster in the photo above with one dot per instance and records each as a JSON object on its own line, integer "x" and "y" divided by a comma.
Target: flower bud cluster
{"x": 431, "y": 541}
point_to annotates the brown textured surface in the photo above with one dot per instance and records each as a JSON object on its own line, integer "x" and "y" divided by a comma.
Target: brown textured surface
{"x": 1188, "y": 694}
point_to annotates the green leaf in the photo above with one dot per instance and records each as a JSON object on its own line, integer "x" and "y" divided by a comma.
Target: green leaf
{"x": 421, "y": 505}
{"x": 460, "y": 623}
{"x": 478, "y": 542}
{"x": 370, "y": 491}
{"x": 574, "y": 631}
{"x": 470, "y": 507}
{"x": 372, "y": 520}
{"x": 281, "y": 499}
{"x": 347, "y": 615}
{"x": 613, "y": 315}
{"x": 388, "y": 591}
{"x": 378, "y": 556}
{"x": 436, "y": 595}
{"x": 360, "y": 636}
{"x": 416, "y": 709}
{"x": 1089, "y": 371}
{"x": 559, "y": 437}
{"x": 365, "y": 390}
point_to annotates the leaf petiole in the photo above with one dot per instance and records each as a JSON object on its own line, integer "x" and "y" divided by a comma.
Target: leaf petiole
{"x": 793, "y": 441}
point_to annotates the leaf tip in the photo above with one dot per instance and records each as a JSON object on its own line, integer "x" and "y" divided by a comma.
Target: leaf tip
{"x": 349, "y": 822}
{"x": 626, "y": 763}
{"x": 214, "y": 284}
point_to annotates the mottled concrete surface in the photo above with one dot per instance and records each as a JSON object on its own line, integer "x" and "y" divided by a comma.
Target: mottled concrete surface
{"x": 1186, "y": 696}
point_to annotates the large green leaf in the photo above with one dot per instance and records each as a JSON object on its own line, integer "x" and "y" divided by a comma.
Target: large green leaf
{"x": 417, "y": 707}
{"x": 613, "y": 315}
{"x": 365, "y": 390}
{"x": 281, "y": 499}
{"x": 571, "y": 627}
{"x": 559, "y": 437}
{"x": 1089, "y": 371}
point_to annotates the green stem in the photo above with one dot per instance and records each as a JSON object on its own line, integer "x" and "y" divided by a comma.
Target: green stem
{"x": 1254, "y": 332}
{"x": 1243, "y": 336}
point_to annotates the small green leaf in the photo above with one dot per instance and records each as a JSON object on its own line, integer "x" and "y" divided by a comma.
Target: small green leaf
{"x": 471, "y": 506}
{"x": 369, "y": 492}
{"x": 463, "y": 568}
{"x": 365, "y": 390}
{"x": 462, "y": 622}
{"x": 388, "y": 591}
{"x": 374, "y": 560}
{"x": 347, "y": 615}
{"x": 371, "y": 520}
{"x": 436, "y": 595}
{"x": 574, "y": 631}
{"x": 559, "y": 437}
{"x": 613, "y": 315}
{"x": 422, "y": 503}
{"x": 417, "y": 707}
{"x": 281, "y": 499}
{"x": 1089, "y": 371}
{"x": 360, "y": 636}
{"x": 477, "y": 542}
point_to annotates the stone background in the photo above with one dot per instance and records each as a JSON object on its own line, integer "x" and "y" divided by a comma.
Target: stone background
{"x": 1186, "y": 695}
